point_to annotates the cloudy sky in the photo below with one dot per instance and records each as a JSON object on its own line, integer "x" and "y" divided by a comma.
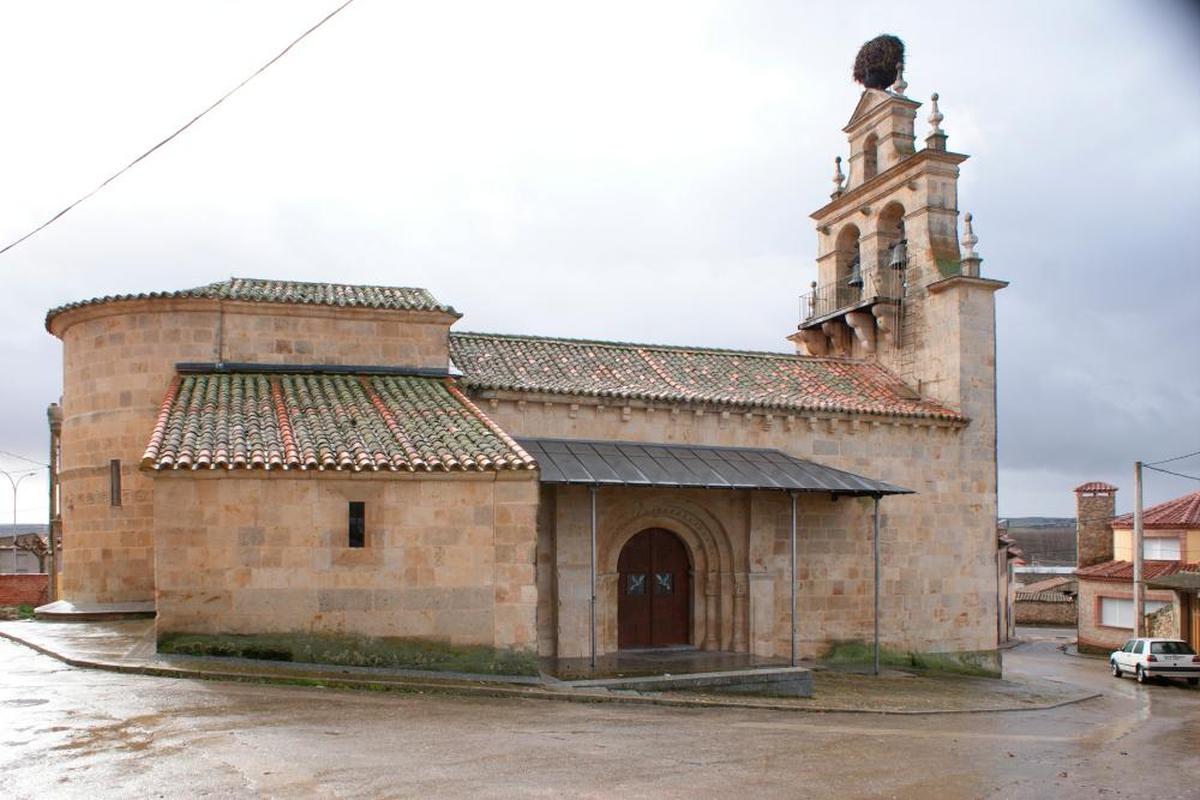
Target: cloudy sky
{"x": 638, "y": 171}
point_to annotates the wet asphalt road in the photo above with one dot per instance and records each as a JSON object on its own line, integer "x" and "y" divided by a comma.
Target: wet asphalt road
{"x": 67, "y": 732}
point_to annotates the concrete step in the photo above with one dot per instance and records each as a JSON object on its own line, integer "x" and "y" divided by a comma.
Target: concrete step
{"x": 766, "y": 681}
{"x": 67, "y": 611}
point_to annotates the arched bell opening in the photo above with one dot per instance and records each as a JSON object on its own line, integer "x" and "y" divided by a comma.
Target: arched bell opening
{"x": 849, "y": 282}
{"x": 893, "y": 249}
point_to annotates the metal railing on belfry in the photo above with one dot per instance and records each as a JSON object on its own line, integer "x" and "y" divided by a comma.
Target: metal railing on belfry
{"x": 858, "y": 288}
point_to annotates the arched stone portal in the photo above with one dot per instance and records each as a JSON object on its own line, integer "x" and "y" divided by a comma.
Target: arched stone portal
{"x": 717, "y": 583}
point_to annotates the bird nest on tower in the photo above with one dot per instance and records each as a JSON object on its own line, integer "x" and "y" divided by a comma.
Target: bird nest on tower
{"x": 879, "y": 61}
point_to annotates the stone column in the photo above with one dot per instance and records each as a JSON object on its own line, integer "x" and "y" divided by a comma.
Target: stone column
{"x": 712, "y": 591}
{"x": 741, "y": 643}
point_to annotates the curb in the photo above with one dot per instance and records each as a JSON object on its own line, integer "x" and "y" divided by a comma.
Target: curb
{"x": 418, "y": 687}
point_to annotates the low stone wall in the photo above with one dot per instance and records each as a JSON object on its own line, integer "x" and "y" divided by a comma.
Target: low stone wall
{"x": 25, "y": 589}
{"x": 1037, "y": 612}
{"x": 1162, "y": 623}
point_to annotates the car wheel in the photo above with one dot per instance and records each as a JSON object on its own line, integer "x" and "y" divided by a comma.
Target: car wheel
{"x": 1141, "y": 676}
{"x": 1116, "y": 671}
{"x": 1193, "y": 681}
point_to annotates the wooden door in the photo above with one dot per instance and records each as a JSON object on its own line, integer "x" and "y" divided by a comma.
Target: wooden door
{"x": 653, "y": 596}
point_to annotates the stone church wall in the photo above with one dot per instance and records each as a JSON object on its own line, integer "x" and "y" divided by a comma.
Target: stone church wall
{"x": 937, "y": 547}
{"x": 447, "y": 558}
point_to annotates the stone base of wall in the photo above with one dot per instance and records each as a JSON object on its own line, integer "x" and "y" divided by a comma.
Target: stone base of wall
{"x": 974, "y": 662}
{"x": 1032, "y": 612}
{"x": 26, "y": 589}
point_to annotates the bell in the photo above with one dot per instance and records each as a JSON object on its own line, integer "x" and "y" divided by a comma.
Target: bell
{"x": 899, "y": 256}
{"x": 856, "y": 279}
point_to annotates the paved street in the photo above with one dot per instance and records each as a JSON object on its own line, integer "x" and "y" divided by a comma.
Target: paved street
{"x": 69, "y": 732}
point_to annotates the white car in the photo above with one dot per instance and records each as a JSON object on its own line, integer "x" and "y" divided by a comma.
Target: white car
{"x": 1153, "y": 658}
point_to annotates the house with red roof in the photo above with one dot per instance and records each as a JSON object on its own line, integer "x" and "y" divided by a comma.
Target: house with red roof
{"x": 270, "y": 456}
{"x": 1171, "y": 561}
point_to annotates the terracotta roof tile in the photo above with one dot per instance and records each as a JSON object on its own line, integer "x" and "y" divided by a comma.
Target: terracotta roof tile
{"x": 685, "y": 374}
{"x": 1182, "y": 512}
{"x": 259, "y": 290}
{"x": 1095, "y": 486}
{"x": 339, "y": 422}
{"x": 1123, "y": 570}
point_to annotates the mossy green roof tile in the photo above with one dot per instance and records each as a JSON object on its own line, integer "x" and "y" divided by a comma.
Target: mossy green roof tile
{"x": 661, "y": 373}
{"x": 335, "y": 422}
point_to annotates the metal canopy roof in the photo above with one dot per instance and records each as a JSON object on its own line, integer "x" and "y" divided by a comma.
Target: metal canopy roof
{"x": 604, "y": 463}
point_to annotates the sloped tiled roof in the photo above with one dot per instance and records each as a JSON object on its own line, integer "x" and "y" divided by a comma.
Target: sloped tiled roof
{"x": 1059, "y": 583}
{"x": 1123, "y": 570}
{"x": 1049, "y": 596}
{"x": 1095, "y": 486}
{"x": 684, "y": 374}
{"x": 259, "y": 290}
{"x": 1180, "y": 513}
{"x": 313, "y": 421}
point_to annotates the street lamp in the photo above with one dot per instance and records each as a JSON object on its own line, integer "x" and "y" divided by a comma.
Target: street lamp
{"x": 15, "y": 482}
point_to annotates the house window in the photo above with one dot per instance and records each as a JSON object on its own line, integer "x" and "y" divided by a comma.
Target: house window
{"x": 114, "y": 482}
{"x": 1116, "y": 612}
{"x": 358, "y": 524}
{"x": 1160, "y": 548}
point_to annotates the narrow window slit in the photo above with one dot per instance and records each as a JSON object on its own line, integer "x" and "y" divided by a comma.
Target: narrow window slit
{"x": 358, "y": 524}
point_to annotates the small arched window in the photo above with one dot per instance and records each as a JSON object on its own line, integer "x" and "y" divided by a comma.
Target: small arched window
{"x": 870, "y": 157}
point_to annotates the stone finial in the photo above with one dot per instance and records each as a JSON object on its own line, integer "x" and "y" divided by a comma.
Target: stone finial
{"x": 936, "y": 140}
{"x": 838, "y": 177}
{"x": 901, "y": 85}
{"x": 935, "y": 118}
{"x": 970, "y": 259}
{"x": 969, "y": 239}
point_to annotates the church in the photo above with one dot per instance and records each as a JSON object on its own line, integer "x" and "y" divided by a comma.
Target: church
{"x": 254, "y": 456}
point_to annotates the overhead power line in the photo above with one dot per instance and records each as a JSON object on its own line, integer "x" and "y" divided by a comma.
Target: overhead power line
{"x": 22, "y": 458}
{"x": 178, "y": 131}
{"x": 1169, "y": 472}
{"x": 1169, "y": 460}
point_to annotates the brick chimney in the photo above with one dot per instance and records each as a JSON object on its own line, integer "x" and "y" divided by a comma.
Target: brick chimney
{"x": 1095, "y": 506}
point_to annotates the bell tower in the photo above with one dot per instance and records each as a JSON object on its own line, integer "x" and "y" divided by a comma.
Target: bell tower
{"x": 892, "y": 284}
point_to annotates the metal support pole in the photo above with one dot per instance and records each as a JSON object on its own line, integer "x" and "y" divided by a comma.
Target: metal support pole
{"x": 792, "y": 551}
{"x": 875, "y": 549}
{"x": 592, "y": 571}
{"x": 1139, "y": 597}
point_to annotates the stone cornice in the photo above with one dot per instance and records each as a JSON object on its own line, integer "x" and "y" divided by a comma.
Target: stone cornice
{"x": 787, "y": 418}
{"x": 61, "y": 321}
{"x": 965, "y": 280}
{"x": 865, "y": 193}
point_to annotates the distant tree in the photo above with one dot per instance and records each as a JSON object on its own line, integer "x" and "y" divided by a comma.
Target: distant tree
{"x": 34, "y": 543}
